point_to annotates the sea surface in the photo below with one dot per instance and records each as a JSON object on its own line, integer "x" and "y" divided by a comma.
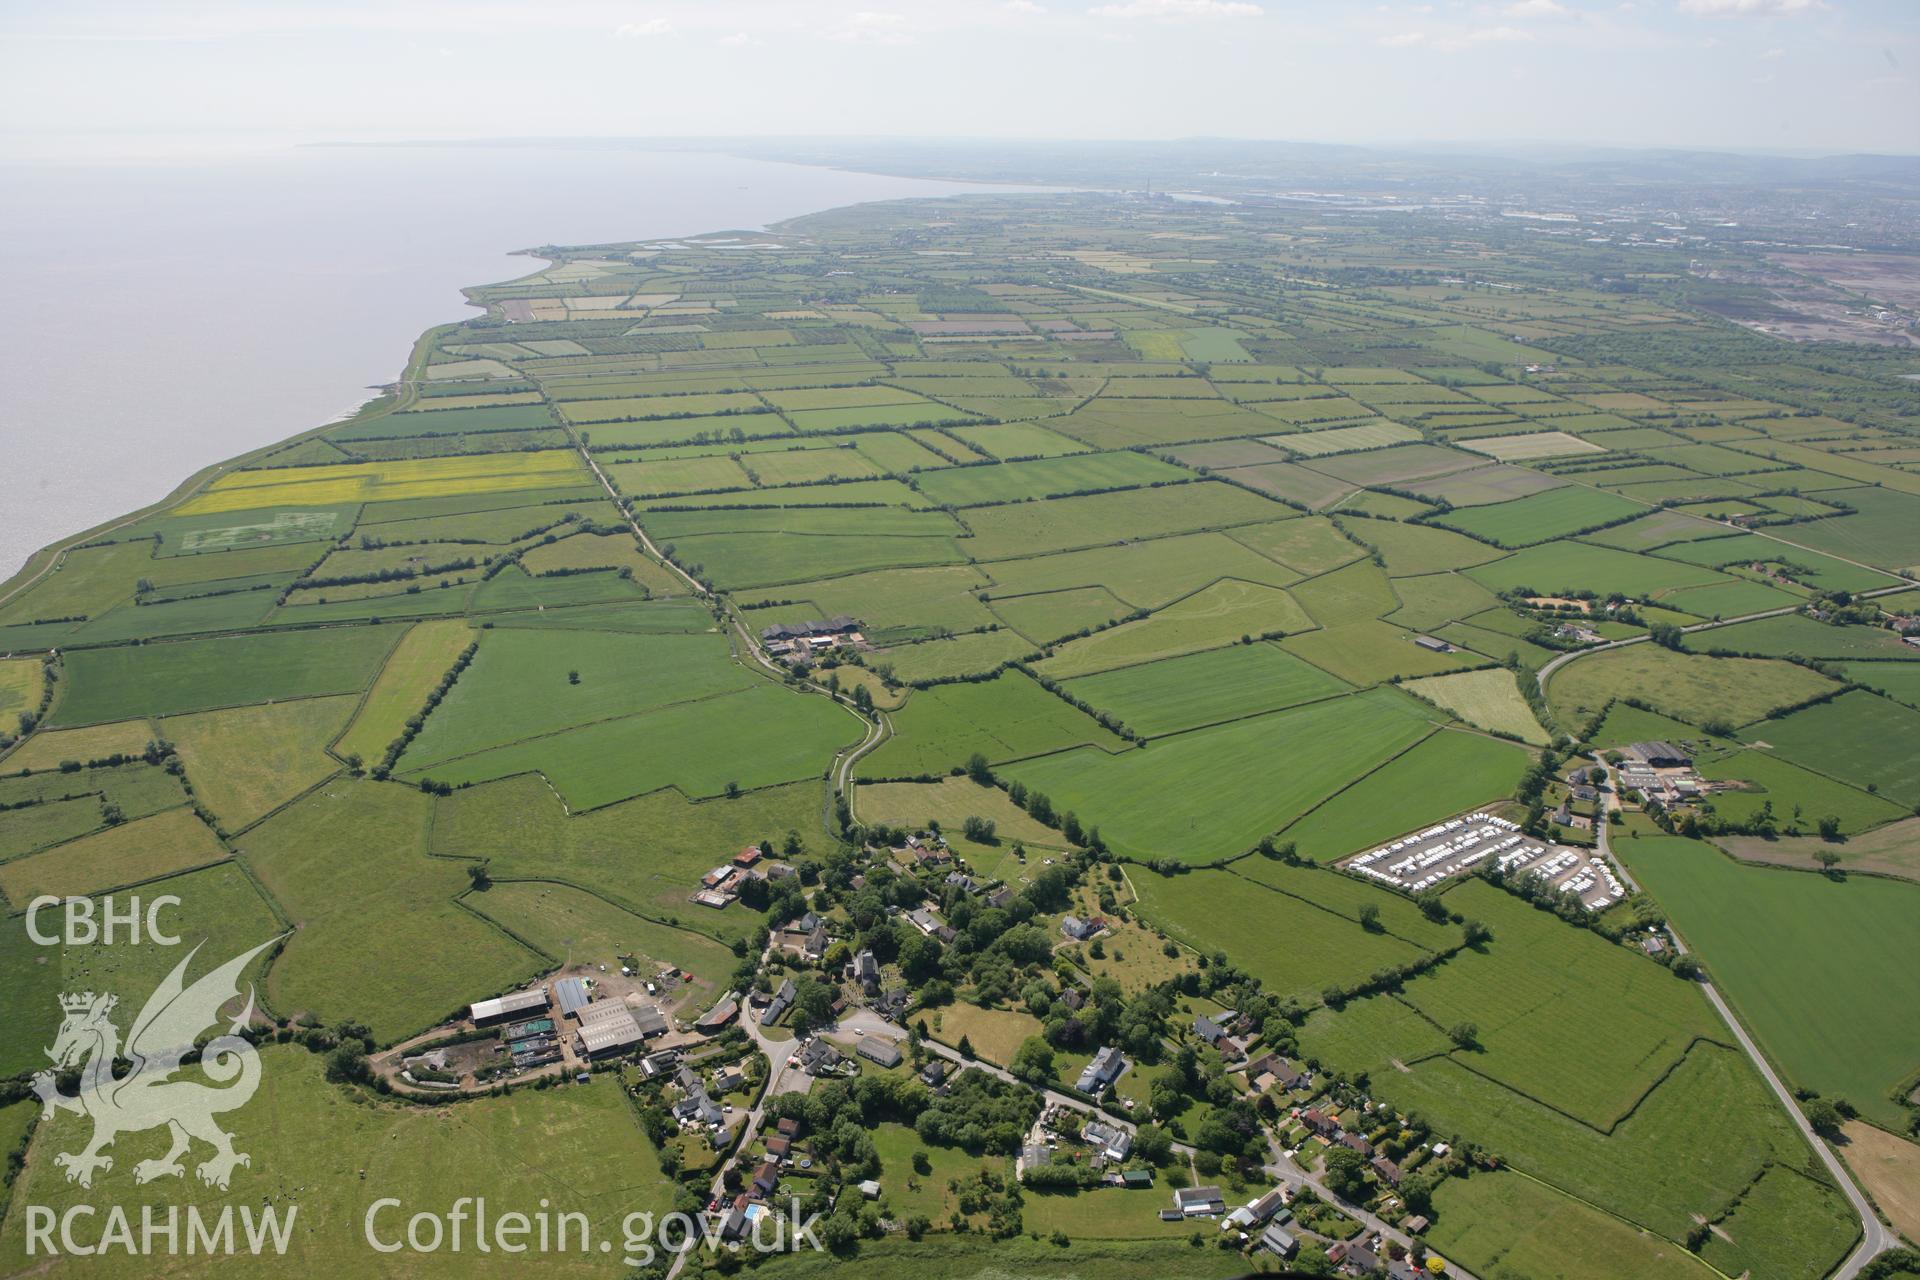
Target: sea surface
{"x": 165, "y": 313}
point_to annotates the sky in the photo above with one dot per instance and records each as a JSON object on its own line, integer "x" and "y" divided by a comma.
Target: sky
{"x": 103, "y": 76}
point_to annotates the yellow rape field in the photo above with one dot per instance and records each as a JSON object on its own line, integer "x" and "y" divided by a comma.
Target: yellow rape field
{"x": 387, "y": 481}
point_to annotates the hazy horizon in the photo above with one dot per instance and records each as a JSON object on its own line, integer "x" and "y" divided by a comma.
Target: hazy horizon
{"x": 1774, "y": 76}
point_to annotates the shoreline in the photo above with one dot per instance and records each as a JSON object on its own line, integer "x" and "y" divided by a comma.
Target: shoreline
{"x": 45, "y": 558}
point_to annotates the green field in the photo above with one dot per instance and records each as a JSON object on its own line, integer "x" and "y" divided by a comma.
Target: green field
{"x": 334, "y": 1154}
{"x": 1685, "y": 686}
{"x": 425, "y": 654}
{"x": 1150, "y": 573}
{"x": 348, "y": 864}
{"x": 1693, "y": 1146}
{"x": 1204, "y": 688}
{"x": 1044, "y": 478}
{"x": 1221, "y": 614}
{"x": 247, "y": 761}
{"x": 220, "y": 909}
{"x": 1564, "y": 1018}
{"x": 196, "y": 675}
{"x": 644, "y": 855}
{"x": 521, "y": 685}
{"x": 573, "y": 926}
{"x": 1787, "y": 790}
{"x": 1444, "y": 774}
{"x": 1824, "y": 971}
{"x": 692, "y": 746}
{"x": 1059, "y": 524}
{"x": 1580, "y": 566}
{"x": 1295, "y": 947}
{"x": 1801, "y": 636}
{"x": 1007, "y": 718}
{"x": 1863, "y": 739}
{"x": 1506, "y": 1226}
{"x": 1213, "y": 793}
{"x": 140, "y": 850}
{"x": 1487, "y": 699}
{"x": 1368, "y": 652}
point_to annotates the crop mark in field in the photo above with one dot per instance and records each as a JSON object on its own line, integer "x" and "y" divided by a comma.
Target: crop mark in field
{"x": 286, "y": 526}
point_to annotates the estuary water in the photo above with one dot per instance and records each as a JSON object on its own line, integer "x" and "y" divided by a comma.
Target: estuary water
{"x": 163, "y": 314}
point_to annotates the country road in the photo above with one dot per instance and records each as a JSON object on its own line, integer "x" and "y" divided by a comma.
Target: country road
{"x": 878, "y": 730}
{"x": 1874, "y": 1237}
{"x": 1541, "y": 676}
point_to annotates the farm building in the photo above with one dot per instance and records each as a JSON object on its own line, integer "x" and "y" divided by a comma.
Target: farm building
{"x": 571, "y": 995}
{"x": 501, "y": 1008}
{"x": 839, "y": 625}
{"x": 607, "y": 1027}
{"x": 1278, "y": 1240}
{"x": 1434, "y": 643}
{"x": 1199, "y": 1202}
{"x": 1661, "y": 755}
{"x": 718, "y": 1016}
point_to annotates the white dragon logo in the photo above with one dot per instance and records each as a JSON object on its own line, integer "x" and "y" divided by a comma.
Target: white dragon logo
{"x": 144, "y": 1098}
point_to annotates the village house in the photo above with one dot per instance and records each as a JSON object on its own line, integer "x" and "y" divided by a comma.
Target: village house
{"x": 1271, "y": 1071}
{"x": 1081, "y": 930}
{"x": 765, "y": 1178}
{"x": 1110, "y": 1140}
{"x": 1256, "y": 1211}
{"x": 874, "y": 1049}
{"x": 1354, "y": 1256}
{"x": 781, "y": 1002}
{"x": 1102, "y": 1071}
{"x": 819, "y": 1058}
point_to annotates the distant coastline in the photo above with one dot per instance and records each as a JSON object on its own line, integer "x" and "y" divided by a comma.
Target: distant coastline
{"x": 294, "y": 300}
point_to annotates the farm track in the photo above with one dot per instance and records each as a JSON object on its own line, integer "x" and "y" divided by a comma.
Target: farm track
{"x": 878, "y": 730}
